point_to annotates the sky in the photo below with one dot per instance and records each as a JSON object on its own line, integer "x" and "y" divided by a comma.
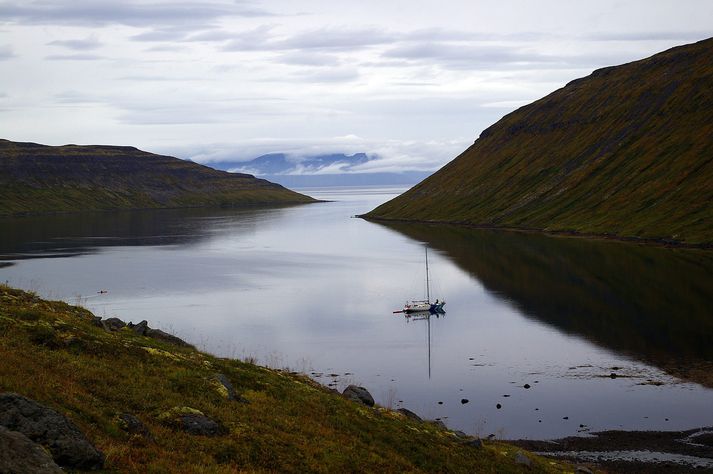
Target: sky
{"x": 410, "y": 82}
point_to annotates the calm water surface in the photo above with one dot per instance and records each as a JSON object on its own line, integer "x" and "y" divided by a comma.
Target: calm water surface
{"x": 313, "y": 289}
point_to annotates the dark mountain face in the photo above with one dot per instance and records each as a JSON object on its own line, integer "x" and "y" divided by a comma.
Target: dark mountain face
{"x": 37, "y": 178}
{"x": 626, "y": 151}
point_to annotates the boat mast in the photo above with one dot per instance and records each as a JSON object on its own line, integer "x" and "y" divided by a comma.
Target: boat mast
{"x": 428, "y": 289}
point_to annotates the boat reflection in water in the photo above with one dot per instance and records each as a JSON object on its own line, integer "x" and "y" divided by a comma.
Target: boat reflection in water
{"x": 426, "y": 316}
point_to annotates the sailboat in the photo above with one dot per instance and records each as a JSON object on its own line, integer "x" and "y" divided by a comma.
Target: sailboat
{"x": 419, "y": 306}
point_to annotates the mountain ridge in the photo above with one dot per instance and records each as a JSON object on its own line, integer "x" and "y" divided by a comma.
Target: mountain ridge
{"x": 625, "y": 152}
{"x": 38, "y": 178}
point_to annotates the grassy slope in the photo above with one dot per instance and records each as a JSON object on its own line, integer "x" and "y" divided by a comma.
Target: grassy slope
{"x": 626, "y": 151}
{"x": 52, "y": 353}
{"x": 37, "y": 178}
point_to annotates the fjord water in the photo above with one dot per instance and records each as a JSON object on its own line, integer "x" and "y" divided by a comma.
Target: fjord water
{"x": 313, "y": 289}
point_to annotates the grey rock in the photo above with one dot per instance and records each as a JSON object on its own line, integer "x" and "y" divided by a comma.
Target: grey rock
{"x": 164, "y": 336}
{"x": 475, "y": 443}
{"x": 409, "y": 414}
{"x": 584, "y": 470}
{"x": 359, "y": 395}
{"x": 113, "y": 324}
{"x": 522, "y": 459}
{"x": 20, "y": 455}
{"x": 223, "y": 380}
{"x": 139, "y": 329}
{"x": 134, "y": 426}
{"x": 200, "y": 425}
{"x": 69, "y": 447}
{"x": 461, "y": 434}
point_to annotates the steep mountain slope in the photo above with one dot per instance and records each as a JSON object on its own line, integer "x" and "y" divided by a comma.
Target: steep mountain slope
{"x": 37, "y": 178}
{"x": 626, "y": 151}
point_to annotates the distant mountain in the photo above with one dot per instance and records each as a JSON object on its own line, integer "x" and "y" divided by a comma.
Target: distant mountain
{"x": 319, "y": 170}
{"x": 37, "y": 178}
{"x": 626, "y": 151}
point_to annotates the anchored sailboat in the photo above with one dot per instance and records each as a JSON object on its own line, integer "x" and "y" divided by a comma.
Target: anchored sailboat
{"x": 418, "y": 306}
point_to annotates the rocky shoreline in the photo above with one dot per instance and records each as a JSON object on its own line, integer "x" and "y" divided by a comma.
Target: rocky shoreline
{"x": 633, "y": 451}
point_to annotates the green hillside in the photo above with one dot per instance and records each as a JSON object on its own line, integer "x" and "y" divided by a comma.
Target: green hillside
{"x": 37, "y": 179}
{"x": 626, "y": 151}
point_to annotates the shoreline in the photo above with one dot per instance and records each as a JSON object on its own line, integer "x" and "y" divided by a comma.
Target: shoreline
{"x": 655, "y": 242}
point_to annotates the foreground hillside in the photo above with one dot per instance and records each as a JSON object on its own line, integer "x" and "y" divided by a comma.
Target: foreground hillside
{"x": 37, "y": 178}
{"x": 626, "y": 151}
{"x": 150, "y": 403}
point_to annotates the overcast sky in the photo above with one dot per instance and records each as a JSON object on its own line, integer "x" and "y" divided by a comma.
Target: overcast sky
{"x": 413, "y": 81}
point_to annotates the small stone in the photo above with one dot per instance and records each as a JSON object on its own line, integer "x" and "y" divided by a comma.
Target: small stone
{"x": 460, "y": 434}
{"x": 475, "y": 443}
{"x": 522, "y": 459}
{"x": 225, "y": 388}
{"x": 440, "y": 403}
{"x": 612, "y": 375}
{"x": 498, "y": 406}
{"x": 583, "y": 470}
{"x": 134, "y": 426}
{"x": 438, "y": 423}
{"x": 409, "y": 414}
{"x": 506, "y": 396}
{"x": 565, "y": 418}
{"x": 464, "y": 400}
{"x": 527, "y": 385}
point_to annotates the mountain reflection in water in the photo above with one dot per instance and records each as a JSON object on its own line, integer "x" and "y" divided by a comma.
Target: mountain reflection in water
{"x": 649, "y": 302}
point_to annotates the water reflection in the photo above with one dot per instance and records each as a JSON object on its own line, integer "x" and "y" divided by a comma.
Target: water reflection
{"x": 426, "y": 316}
{"x": 652, "y": 303}
{"x": 69, "y": 235}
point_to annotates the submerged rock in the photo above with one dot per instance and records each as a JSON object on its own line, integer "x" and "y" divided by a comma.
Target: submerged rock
{"x": 20, "y": 455}
{"x": 68, "y": 445}
{"x": 359, "y": 395}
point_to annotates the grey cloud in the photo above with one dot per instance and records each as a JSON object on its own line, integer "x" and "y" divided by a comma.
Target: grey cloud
{"x": 300, "y": 58}
{"x": 92, "y": 12}
{"x": 338, "y": 38}
{"x": 86, "y": 44}
{"x": 650, "y": 36}
{"x": 74, "y": 57}
{"x": 6, "y": 53}
{"x": 328, "y": 75}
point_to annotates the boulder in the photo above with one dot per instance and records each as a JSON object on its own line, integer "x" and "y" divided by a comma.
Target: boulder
{"x": 409, "y": 414}
{"x": 113, "y": 324}
{"x": 69, "y": 447}
{"x": 20, "y": 455}
{"x": 164, "y": 336}
{"x": 201, "y": 425}
{"x": 359, "y": 395}
{"x": 139, "y": 329}
{"x": 192, "y": 421}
